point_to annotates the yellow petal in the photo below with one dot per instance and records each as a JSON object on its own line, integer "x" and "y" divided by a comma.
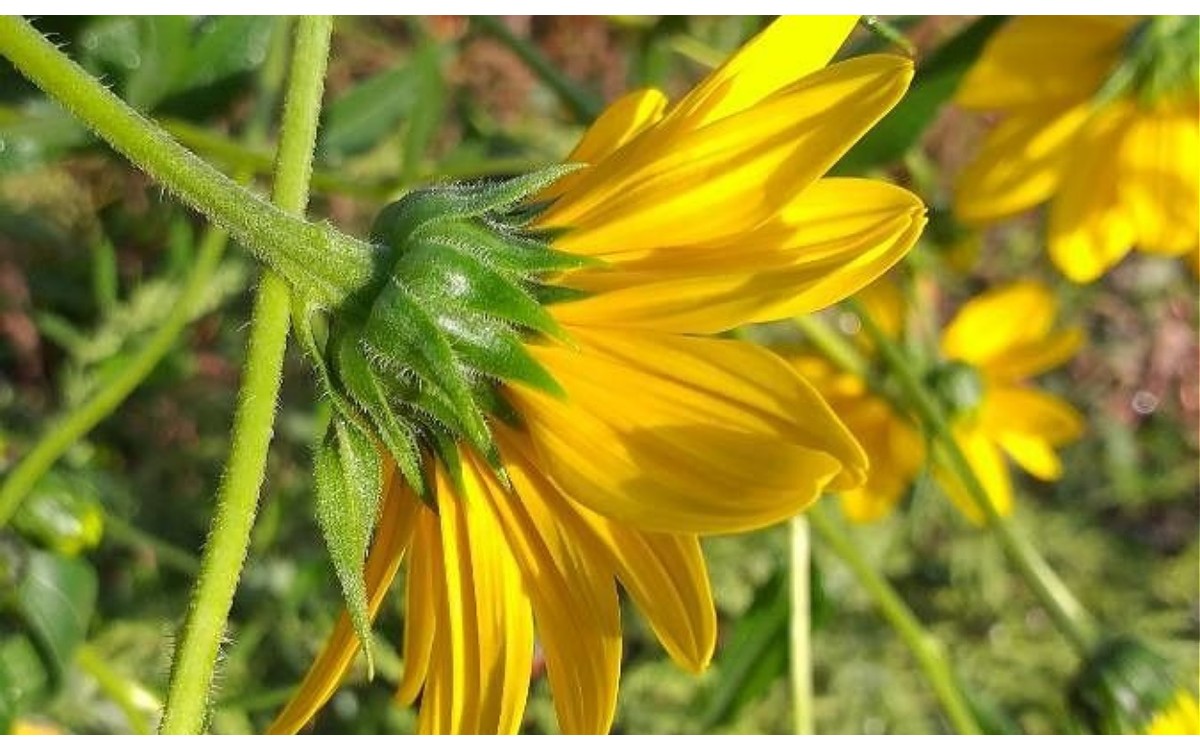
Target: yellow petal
{"x": 1090, "y": 228}
{"x": 1020, "y": 164}
{"x": 894, "y": 448}
{"x": 1036, "y": 60}
{"x": 420, "y": 607}
{"x": 787, "y": 50}
{"x": 988, "y": 464}
{"x": 574, "y": 600}
{"x": 1028, "y": 425}
{"x": 684, "y": 435}
{"x": 1160, "y": 177}
{"x": 1025, "y": 360}
{"x": 620, "y": 122}
{"x": 833, "y": 239}
{"x": 667, "y": 578}
{"x": 485, "y": 617}
{"x": 1013, "y": 321}
{"x": 396, "y": 522}
{"x": 730, "y": 176}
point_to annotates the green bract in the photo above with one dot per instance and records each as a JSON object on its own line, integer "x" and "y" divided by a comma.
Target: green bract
{"x": 413, "y": 364}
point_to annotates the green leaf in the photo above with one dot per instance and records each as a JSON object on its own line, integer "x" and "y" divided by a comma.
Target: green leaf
{"x": 56, "y": 597}
{"x": 163, "y": 50}
{"x": 348, "y": 480}
{"x": 23, "y": 678}
{"x": 224, "y": 47}
{"x": 429, "y": 88}
{"x": 755, "y": 656}
{"x": 361, "y": 117}
{"x": 63, "y": 513}
{"x": 935, "y": 82}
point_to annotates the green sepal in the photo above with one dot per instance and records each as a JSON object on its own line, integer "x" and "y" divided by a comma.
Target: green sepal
{"x": 523, "y": 255}
{"x": 401, "y": 332}
{"x": 444, "y": 274}
{"x": 550, "y": 294}
{"x": 362, "y": 384}
{"x": 496, "y": 350}
{"x": 348, "y": 479}
{"x": 397, "y": 222}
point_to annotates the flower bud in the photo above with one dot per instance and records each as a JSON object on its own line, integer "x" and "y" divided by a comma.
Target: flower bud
{"x": 958, "y": 385}
{"x": 1122, "y": 687}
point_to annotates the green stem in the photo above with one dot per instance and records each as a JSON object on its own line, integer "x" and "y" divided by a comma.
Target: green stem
{"x": 925, "y": 648}
{"x": 831, "y": 345}
{"x": 237, "y": 499}
{"x": 328, "y": 265}
{"x": 1070, "y": 616}
{"x": 75, "y": 424}
{"x": 801, "y": 628}
{"x": 133, "y": 699}
{"x": 583, "y": 105}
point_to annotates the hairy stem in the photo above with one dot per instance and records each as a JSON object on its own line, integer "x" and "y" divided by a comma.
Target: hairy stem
{"x": 237, "y": 499}
{"x": 328, "y": 265}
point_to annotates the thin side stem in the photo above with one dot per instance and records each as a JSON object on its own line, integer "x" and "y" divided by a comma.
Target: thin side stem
{"x": 69, "y": 428}
{"x": 1075, "y": 622}
{"x": 330, "y": 266}
{"x": 132, "y": 698}
{"x": 926, "y": 649}
{"x": 801, "y": 628}
{"x": 237, "y": 499}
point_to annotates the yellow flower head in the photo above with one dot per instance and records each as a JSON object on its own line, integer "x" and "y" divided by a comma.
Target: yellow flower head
{"x": 702, "y": 216}
{"x": 1006, "y": 336}
{"x": 996, "y": 342}
{"x": 1101, "y": 117}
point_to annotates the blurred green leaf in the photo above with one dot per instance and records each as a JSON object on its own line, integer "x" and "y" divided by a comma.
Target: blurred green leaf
{"x": 359, "y": 118}
{"x": 35, "y": 133}
{"x": 755, "y": 655}
{"x": 226, "y": 46}
{"x": 23, "y": 678}
{"x": 55, "y": 598}
{"x": 935, "y": 82}
{"x": 430, "y": 90}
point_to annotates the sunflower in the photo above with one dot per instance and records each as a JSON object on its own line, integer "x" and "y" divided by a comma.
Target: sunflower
{"x": 995, "y": 343}
{"x": 697, "y": 218}
{"x": 1100, "y": 117}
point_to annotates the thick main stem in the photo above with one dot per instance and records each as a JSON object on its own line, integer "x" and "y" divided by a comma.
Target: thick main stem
{"x": 237, "y": 499}
{"x": 926, "y": 649}
{"x": 328, "y": 265}
{"x": 1069, "y": 615}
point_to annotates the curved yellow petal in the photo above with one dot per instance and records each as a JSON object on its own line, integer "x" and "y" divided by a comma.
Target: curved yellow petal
{"x": 396, "y": 523}
{"x": 729, "y": 176}
{"x": 684, "y": 435}
{"x": 1036, "y": 60}
{"x": 835, "y": 238}
{"x": 1160, "y": 177}
{"x": 668, "y": 580}
{"x": 620, "y": 123}
{"x": 484, "y": 618}
{"x": 787, "y": 50}
{"x": 894, "y": 448}
{"x": 1008, "y": 331}
{"x": 420, "y": 607}
{"x": 1090, "y": 227}
{"x": 574, "y": 600}
{"x": 1020, "y": 164}
{"x": 1028, "y": 425}
{"x": 988, "y": 464}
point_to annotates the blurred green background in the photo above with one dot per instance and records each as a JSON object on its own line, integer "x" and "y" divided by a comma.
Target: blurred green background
{"x": 96, "y": 569}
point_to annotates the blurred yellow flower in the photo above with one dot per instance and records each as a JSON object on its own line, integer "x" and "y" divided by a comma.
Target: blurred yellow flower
{"x": 1006, "y": 336}
{"x": 895, "y": 447}
{"x": 1181, "y": 717}
{"x": 996, "y": 342}
{"x": 705, "y": 216}
{"x": 1101, "y": 117}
